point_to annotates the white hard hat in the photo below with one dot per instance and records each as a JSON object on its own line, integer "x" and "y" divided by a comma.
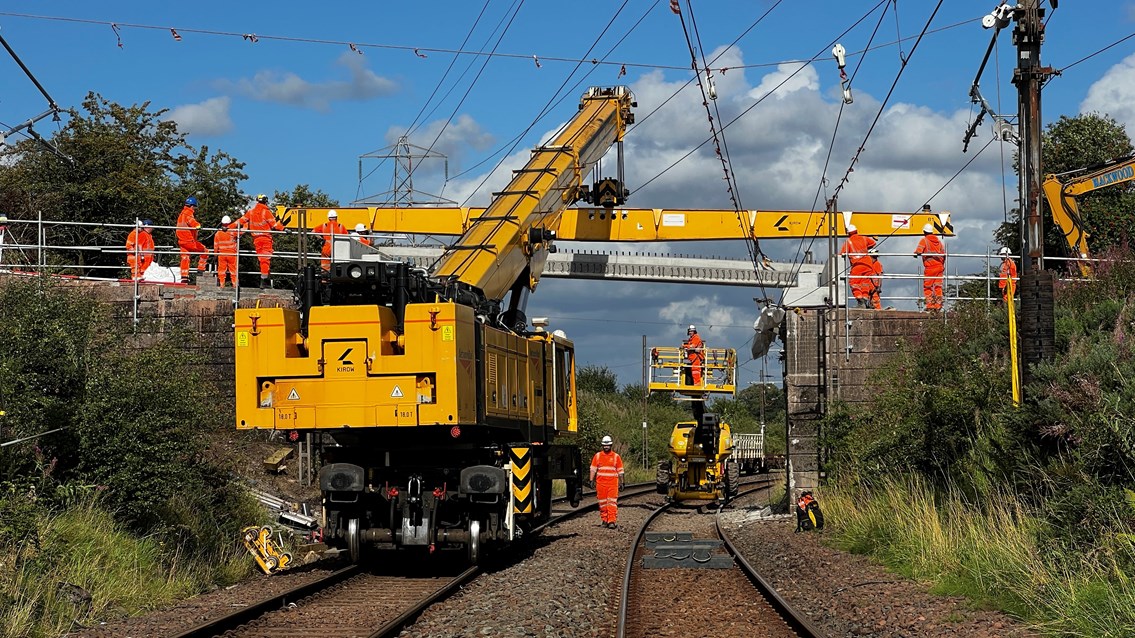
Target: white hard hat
{"x": 852, "y": 229}
{"x": 1004, "y": 252}
{"x": 692, "y": 329}
{"x": 606, "y": 440}
{"x": 360, "y": 227}
{"x": 331, "y": 214}
{"x": 928, "y": 228}
{"x": 226, "y": 220}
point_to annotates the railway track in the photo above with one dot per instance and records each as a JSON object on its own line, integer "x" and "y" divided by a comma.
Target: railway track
{"x": 354, "y": 601}
{"x": 683, "y": 574}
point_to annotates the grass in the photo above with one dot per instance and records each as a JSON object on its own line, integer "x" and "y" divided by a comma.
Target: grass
{"x": 124, "y": 575}
{"x": 989, "y": 553}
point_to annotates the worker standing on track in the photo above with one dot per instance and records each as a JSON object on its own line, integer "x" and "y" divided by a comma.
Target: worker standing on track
{"x": 261, "y": 221}
{"x": 140, "y": 249}
{"x": 187, "y": 241}
{"x": 933, "y": 253}
{"x": 859, "y": 273}
{"x": 1008, "y": 282}
{"x": 226, "y": 243}
{"x": 694, "y": 349}
{"x": 607, "y": 476}
{"x": 327, "y": 232}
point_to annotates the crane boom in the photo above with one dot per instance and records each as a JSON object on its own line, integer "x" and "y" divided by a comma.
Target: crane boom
{"x": 511, "y": 237}
{"x": 1062, "y": 196}
{"x": 647, "y": 224}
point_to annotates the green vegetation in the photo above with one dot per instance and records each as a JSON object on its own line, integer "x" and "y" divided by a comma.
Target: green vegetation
{"x": 118, "y": 498}
{"x": 1030, "y": 510}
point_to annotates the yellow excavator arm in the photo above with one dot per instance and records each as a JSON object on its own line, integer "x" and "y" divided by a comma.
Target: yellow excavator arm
{"x": 644, "y": 224}
{"x": 1062, "y": 201}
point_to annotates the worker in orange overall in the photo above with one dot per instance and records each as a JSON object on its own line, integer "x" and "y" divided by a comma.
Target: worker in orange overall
{"x": 261, "y": 222}
{"x": 187, "y": 241}
{"x": 362, "y": 234}
{"x": 933, "y": 253}
{"x": 694, "y": 348}
{"x": 1008, "y": 282}
{"x": 327, "y": 232}
{"x": 140, "y": 249}
{"x": 226, "y": 244}
{"x": 607, "y": 476}
{"x": 876, "y": 279}
{"x": 859, "y": 274}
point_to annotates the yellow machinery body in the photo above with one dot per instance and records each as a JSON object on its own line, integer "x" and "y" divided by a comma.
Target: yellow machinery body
{"x": 258, "y": 541}
{"x": 432, "y": 408}
{"x": 699, "y": 467}
{"x": 699, "y": 462}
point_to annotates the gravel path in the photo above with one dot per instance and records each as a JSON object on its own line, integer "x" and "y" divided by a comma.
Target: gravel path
{"x": 848, "y": 595}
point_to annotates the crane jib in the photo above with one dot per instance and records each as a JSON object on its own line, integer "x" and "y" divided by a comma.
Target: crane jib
{"x": 1117, "y": 175}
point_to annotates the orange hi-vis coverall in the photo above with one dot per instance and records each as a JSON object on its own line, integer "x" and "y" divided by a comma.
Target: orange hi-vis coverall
{"x": 607, "y": 471}
{"x": 933, "y": 253}
{"x": 226, "y": 243}
{"x": 695, "y": 356}
{"x": 139, "y": 252}
{"x": 261, "y": 221}
{"x": 856, "y": 248}
{"x": 327, "y": 231}
{"x": 1008, "y": 272}
{"x": 188, "y": 243}
{"x": 876, "y": 279}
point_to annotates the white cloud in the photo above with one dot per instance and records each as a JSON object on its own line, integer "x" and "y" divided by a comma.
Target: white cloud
{"x": 210, "y": 117}
{"x": 1114, "y": 93}
{"x": 289, "y": 88}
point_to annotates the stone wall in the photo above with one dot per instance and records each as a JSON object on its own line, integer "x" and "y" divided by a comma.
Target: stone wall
{"x": 830, "y": 355}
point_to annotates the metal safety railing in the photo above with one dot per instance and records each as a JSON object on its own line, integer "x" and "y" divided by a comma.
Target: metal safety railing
{"x": 97, "y": 251}
{"x": 672, "y": 369}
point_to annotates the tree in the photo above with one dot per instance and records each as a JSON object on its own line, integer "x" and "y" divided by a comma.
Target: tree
{"x": 302, "y": 196}
{"x": 129, "y": 163}
{"x": 598, "y": 379}
{"x": 1074, "y": 144}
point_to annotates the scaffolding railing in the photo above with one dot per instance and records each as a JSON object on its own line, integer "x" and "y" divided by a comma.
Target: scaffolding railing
{"x": 677, "y": 369}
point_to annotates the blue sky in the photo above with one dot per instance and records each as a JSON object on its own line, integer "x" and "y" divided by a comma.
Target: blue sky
{"x": 302, "y": 111}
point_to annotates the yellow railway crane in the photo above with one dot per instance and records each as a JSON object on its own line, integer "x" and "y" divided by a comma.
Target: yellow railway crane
{"x": 436, "y": 411}
{"x": 1062, "y": 194}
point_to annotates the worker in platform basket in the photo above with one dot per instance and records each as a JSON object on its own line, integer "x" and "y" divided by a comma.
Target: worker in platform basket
{"x": 327, "y": 232}
{"x": 694, "y": 349}
{"x": 187, "y": 242}
{"x": 856, "y": 249}
{"x": 226, "y": 243}
{"x": 261, "y": 221}
{"x": 1008, "y": 282}
{"x": 607, "y": 476}
{"x": 140, "y": 248}
{"x": 933, "y": 253}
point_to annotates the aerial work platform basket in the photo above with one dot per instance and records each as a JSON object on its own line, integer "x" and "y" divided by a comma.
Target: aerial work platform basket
{"x": 671, "y": 371}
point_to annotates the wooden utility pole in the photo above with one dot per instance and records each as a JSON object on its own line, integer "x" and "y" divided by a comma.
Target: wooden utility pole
{"x": 1037, "y": 322}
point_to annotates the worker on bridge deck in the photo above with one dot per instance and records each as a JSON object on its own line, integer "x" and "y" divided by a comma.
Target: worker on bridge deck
{"x": 226, "y": 244}
{"x": 140, "y": 249}
{"x": 859, "y": 274}
{"x": 933, "y": 253}
{"x": 1008, "y": 281}
{"x": 261, "y": 221}
{"x": 187, "y": 242}
{"x": 361, "y": 234}
{"x": 694, "y": 349}
{"x": 876, "y": 279}
{"x": 607, "y": 476}
{"x": 327, "y": 232}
